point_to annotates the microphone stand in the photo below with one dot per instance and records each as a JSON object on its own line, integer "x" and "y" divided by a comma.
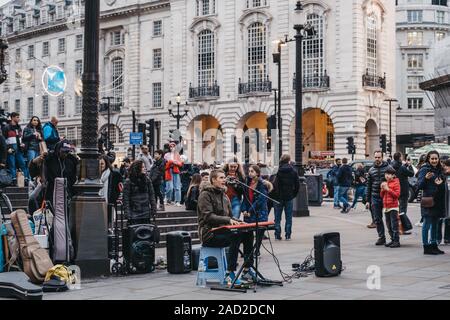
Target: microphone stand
{"x": 256, "y": 253}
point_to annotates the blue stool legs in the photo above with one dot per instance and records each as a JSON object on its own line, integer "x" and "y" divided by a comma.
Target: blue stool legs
{"x": 204, "y": 273}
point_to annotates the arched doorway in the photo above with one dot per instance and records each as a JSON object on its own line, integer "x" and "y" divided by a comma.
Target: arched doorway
{"x": 205, "y": 140}
{"x": 371, "y": 138}
{"x": 318, "y": 136}
{"x": 251, "y": 139}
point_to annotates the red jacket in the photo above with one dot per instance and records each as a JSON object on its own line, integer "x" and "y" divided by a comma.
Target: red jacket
{"x": 390, "y": 198}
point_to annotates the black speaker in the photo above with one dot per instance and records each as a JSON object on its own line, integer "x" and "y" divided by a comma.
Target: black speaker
{"x": 179, "y": 249}
{"x": 327, "y": 254}
{"x": 139, "y": 248}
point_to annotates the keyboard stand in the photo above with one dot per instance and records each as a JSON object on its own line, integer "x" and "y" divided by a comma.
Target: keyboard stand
{"x": 261, "y": 280}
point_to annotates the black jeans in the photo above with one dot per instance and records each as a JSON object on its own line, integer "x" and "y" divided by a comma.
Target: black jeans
{"x": 158, "y": 194}
{"x": 376, "y": 210}
{"x": 247, "y": 239}
{"x": 392, "y": 225}
{"x": 403, "y": 203}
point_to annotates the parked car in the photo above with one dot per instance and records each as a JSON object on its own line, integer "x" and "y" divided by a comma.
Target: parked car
{"x": 413, "y": 191}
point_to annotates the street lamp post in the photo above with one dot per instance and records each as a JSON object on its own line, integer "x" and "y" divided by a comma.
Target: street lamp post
{"x": 277, "y": 60}
{"x": 302, "y": 30}
{"x": 108, "y": 105}
{"x": 178, "y": 116}
{"x": 390, "y": 123}
{"x": 88, "y": 209}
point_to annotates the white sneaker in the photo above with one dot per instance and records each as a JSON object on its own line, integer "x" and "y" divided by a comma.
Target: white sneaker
{"x": 419, "y": 224}
{"x": 177, "y": 204}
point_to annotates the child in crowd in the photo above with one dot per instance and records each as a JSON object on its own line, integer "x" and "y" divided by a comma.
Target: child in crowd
{"x": 390, "y": 193}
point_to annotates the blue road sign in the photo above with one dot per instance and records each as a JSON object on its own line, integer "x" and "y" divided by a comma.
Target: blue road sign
{"x": 136, "y": 138}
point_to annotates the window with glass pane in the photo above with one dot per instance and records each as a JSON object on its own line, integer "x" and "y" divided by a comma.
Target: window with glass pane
{"x": 30, "y": 52}
{"x": 205, "y": 7}
{"x": 112, "y": 133}
{"x": 44, "y": 16}
{"x": 17, "y": 106}
{"x": 59, "y": 11}
{"x": 413, "y": 82}
{"x": 313, "y": 53}
{"x": 206, "y": 58}
{"x": 6, "y": 106}
{"x": 330, "y": 141}
{"x": 79, "y": 41}
{"x": 414, "y": 16}
{"x": 79, "y": 68}
{"x": 18, "y": 55}
{"x": 44, "y": 106}
{"x": 78, "y": 104}
{"x": 415, "y": 61}
{"x": 30, "y": 108}
{"x": 61, "y": 45}
{"x": 415, "y": 38}
{"x": 256, "y": 52}
{"x": 117, "y": 80}
{"x": 71, "y": 134}
{"x": 157, "y": 58}
{"x": 61, "y": 106}
{"x": 45, "y": 49}
{"x": 440, "y": 36}
{"x": 157, "y": 93}
{"x": 116, "y": 38}
{"x": 157, "y": 28}
{"x": 256, "y": 3}
{"x": 440, "y": 17}
{"x": 415, "y": 103}
{"x": 372, "y": 57}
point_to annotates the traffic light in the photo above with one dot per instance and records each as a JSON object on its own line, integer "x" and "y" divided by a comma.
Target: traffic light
{"x": 150, "y": 132}
{"x": 389, "y": 148}
{"x": 351, "y": 148}
{"x": 383, "y": 143}
{"x": 141, "y": 129}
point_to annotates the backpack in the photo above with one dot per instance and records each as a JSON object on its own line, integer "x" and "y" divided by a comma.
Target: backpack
{"x": 115, "y": 186}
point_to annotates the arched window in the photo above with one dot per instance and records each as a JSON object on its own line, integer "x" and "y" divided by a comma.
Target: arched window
{"x": 206, "y": 59}
{"x": 117, "y": 80}
{"x": 372, "y": 54}
{"x": 257, "y": 54}
{"x": 313, "y": 53}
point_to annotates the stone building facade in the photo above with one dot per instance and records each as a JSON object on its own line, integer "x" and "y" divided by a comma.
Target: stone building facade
{"x": 218, "y": 56}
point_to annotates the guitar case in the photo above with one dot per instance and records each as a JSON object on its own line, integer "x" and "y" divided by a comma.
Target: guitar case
{"x": 17, "y": 285}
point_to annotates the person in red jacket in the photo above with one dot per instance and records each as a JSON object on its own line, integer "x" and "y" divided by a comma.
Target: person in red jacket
{"x": 390, "y": 193}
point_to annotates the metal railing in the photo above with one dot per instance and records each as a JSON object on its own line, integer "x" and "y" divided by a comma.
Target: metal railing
{"x": 374, "y": 81}
{"x": 204, "y": 91}
{"x": 313, "y": 82}
{"x": 263, "y": 86}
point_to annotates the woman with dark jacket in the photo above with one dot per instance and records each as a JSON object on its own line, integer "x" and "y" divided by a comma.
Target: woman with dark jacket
{"x": 235, "y": 179}
{"x": 32, "y": 136}
{"x": 360, "y": 185}
{"x": 431, "y": 180}
{"x": 138, "y": 195}
{"x": 254, "y": 208}
{"x": 193, "y": 192}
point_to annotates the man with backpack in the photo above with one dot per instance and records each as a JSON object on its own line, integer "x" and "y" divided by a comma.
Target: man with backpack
{"x": 286, "y": 186}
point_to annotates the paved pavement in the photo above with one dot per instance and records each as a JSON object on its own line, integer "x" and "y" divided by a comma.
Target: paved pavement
{"x": 405, "y": 272}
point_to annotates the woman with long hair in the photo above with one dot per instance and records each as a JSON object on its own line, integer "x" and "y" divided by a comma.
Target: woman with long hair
{"x": 235, "y": 179}
{"x": 138, "y": 195}
{"x": 254, "y": 208}
{"x": 432, "y": 181}
{"x": 193, "y": 192}
{"x": 32, "y": 136}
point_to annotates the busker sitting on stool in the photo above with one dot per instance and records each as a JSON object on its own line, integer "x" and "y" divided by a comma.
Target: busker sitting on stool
{"x": 214, "y": 210}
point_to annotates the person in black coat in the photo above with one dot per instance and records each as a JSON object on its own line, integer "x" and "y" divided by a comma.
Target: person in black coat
{"x": 32, "y": 137}
{"x": 345, "y": 179}
{"x": 193, "y": 192}
{"x": 375, "y": 177}
{"x": 139, "y": 202}
{"x": 3, "y": 152}
{"x": 60, "y": 163}
{"x": 360, "y": 185}
{"x": 157, "y": 176}
{"x": 403, "y": 171}
{"x": 286, "y": 186}
{"x": 432, "y": 181}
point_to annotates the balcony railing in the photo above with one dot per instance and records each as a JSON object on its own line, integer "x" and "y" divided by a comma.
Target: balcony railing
{"x": 255, "y": 87}
{"x": 116, "y": 107}
{"x": 313, "y": 82}
{"x": 204, "y": 92}
{"x": 374, "y": 81}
